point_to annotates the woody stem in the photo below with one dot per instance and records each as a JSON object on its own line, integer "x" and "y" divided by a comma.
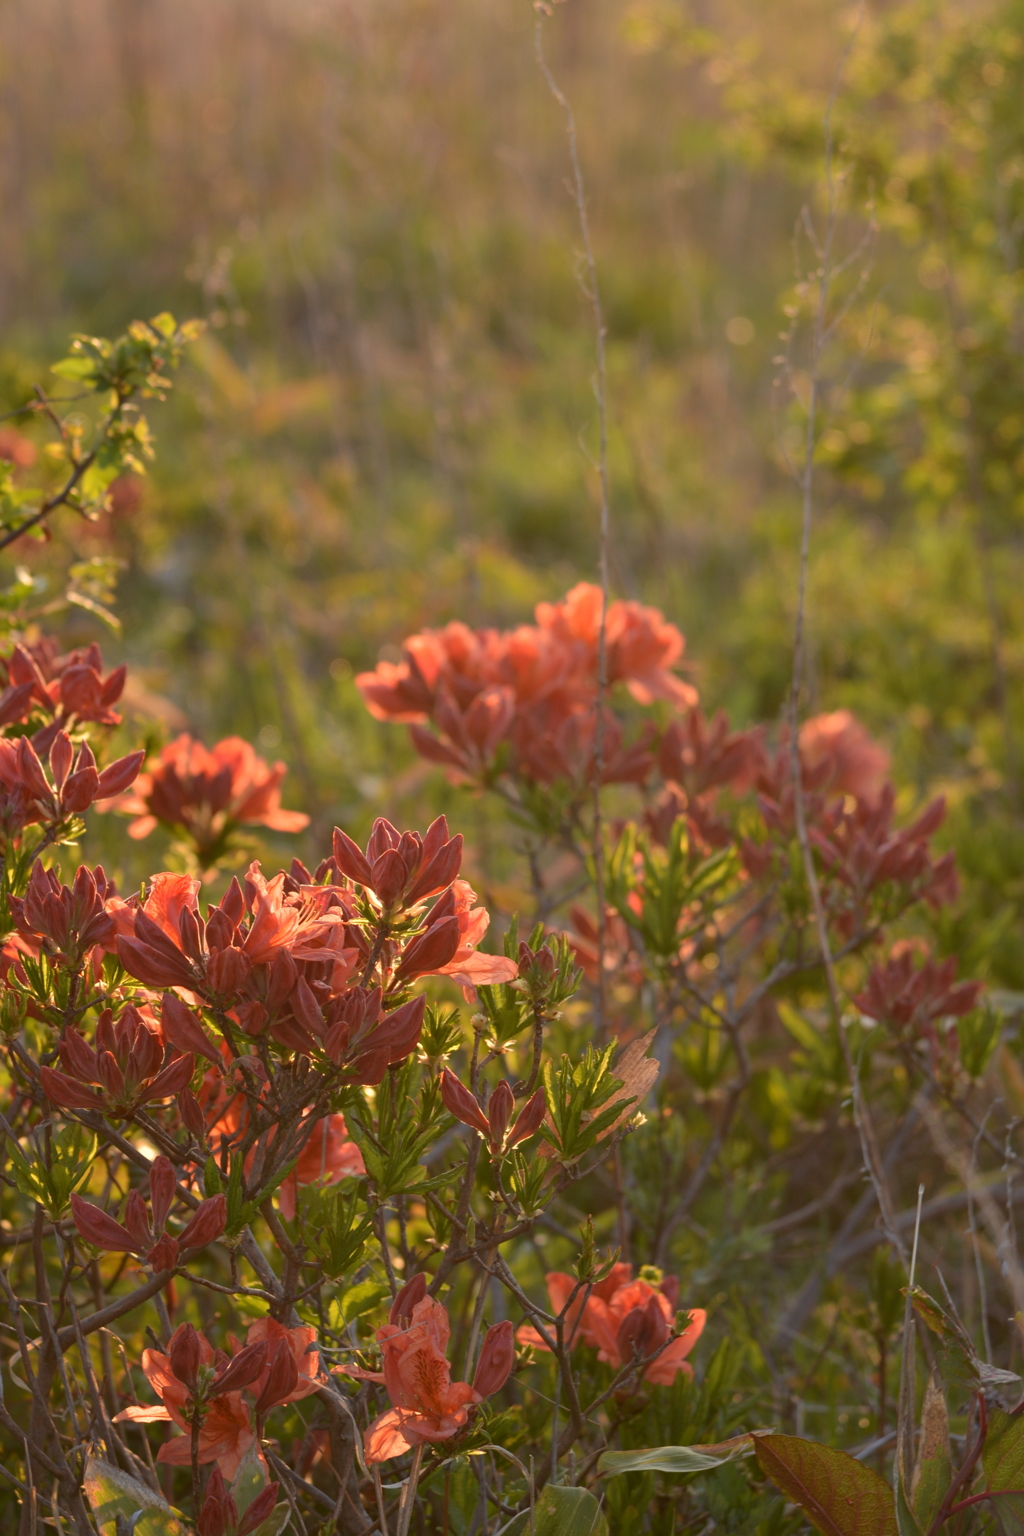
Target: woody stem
{"x": 196, "y": 1422}
{"x": 381, "y": 1512}
{"x": 409, "y": 1493}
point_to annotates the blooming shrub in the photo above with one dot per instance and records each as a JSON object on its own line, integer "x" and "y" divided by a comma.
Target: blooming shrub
{"x": 317, "y": 1100}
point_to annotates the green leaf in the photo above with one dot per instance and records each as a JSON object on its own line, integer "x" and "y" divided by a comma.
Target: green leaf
{"x": 979, "y": 1032}
{"x": 275, "y": 1521}
{"x": 680, "y": 1459}
{"x": 77, "y": 368}
{"x": 249, "y": 1481}
{"x": 956, "y": 1355}
{"x": 1003, "y": 1463}
{"x": 838, "y": 1494}
{"x": 934, "y": 1471}
{"x": 361, "y": 1298}
{"x": 561, "y": 1512}
{"x": 112, "y": 1492}
{"x": 906, "y": 1520}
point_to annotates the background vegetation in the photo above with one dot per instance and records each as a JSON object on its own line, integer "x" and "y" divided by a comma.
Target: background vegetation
{"x": 389, "y": 421}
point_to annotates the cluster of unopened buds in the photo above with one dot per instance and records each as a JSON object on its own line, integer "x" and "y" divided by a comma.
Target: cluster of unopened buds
{"x": 143, "y": 1229}
{"x": 917, "y": 998}
{"x": 68, "y": 691}
{"x": 27, "y": 796}
{"x": 496, "y": 1126}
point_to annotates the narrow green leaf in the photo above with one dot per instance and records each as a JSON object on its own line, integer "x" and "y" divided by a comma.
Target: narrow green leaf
{"x": 906, "y": 1520}
{"x": 837, "y": 1493}
{"x": 680, "y": 1459}
{"x": 934, "y": 1471}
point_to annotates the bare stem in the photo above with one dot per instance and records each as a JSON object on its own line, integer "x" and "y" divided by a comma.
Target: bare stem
{"x": 587, "y": 277}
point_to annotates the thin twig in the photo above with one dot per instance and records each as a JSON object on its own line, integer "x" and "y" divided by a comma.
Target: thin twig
{"x": 591, "y": 291}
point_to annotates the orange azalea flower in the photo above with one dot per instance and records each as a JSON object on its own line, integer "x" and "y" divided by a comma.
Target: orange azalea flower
{"x": 328, "y": 1157}
{"x": 226, "y": 1434}
{"x": 428, "y": 1405}
{"x": 205, "y": 793}
{"x": 839, "y": 755}
{"x": 532, "y": 689}
{"x": 468, "y": 966}
{"x": 641, "y": 644}
{"x": 622, "y": 1315}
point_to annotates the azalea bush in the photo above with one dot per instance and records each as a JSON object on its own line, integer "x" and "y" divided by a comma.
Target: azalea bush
{"x": 330, "y": 1203}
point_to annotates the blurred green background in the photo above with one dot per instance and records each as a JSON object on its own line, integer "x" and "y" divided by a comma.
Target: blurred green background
{"x": 390, "y": 421}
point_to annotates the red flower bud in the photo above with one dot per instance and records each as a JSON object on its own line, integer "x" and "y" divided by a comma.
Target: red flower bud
{"x": 282, "y": 1378}
{"x": 529, "y": 1119}
{"x": 207, "y": 1224}
{"x": 458, "y": 1101}
{"x": 79, "y": 791}
{"x": 110, "y": 1074}
{"x": 439, "y": 873}
{"x": 306, "y": 1009}
{"x": 114, "y": 685}
{"x": 431, "y": 949}
{"x": 61, "y": 756}
{"x": 163, "y": 1254}
{"x": 388, "y": 877}
{"x": 261, "y": 1506}
{"x": 243, "y": 1369}
{"x": 349, "y": 859}
{"x": 227, "y": 971}
{"x": 154, "y": 967}
{"x": 30, "y": 771}
{"x": 183, "y": 1030}
{"x": 642, "y": 1331}
{"x": 382, "y": 837}
{"x": 136, "y": 1219}
{"x": 79, "y": 1058}
{"x": 162, "y": 1184}
{"x": 120, "y": 775}
{"x": 177, "y": 1075}
{"x": 499, "y": 1111}
{"x": 669, "y": 1288}
{"x": 219, "y": 1513}
{"x": 497, "y": 1357}
{"x": 397, "y": 1033}
{"x": 192, "y": 1117}
{"x": 412, "y": 1292}
{"x": 99, "y": 1229}
{"x": 66, "y": 1092}
{"x": 184, "y": 1355}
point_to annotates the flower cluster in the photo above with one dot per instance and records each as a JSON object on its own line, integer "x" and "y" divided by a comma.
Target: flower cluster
{"x": 204, "y": 795}
{"x": 625, "y": 1320}
{"x": 67, "y": 691}
{"x": 917, "y": 998}
{"x": 143, "y": 1230}
{"x": 28, "y": 797}
{"x": 199, "y": 1384}
{"x": 427, "y": 1406}
{"x": 526, "y": 698}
